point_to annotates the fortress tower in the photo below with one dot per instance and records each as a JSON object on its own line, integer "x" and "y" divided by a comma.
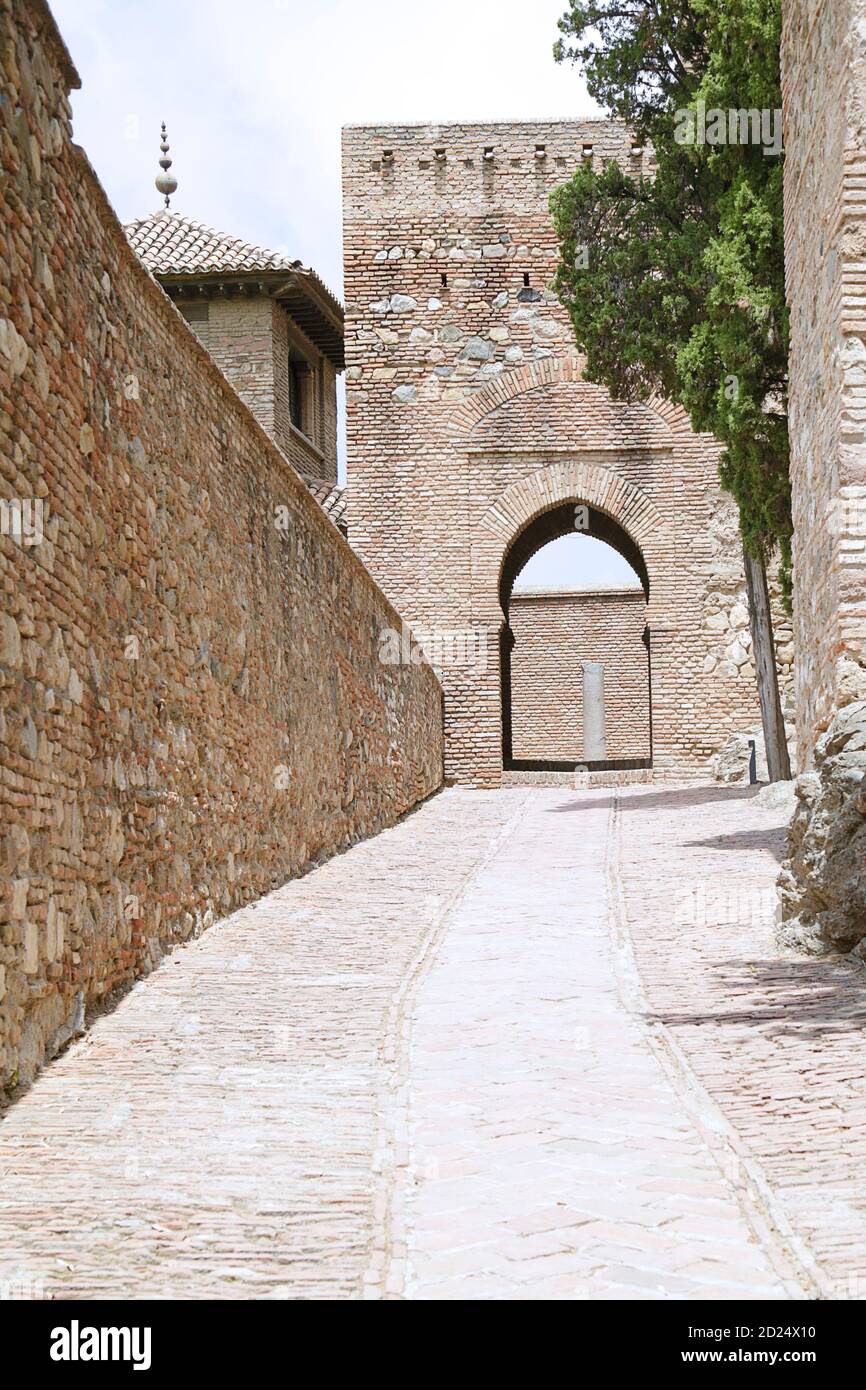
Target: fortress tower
{"x": 472, "y": 439}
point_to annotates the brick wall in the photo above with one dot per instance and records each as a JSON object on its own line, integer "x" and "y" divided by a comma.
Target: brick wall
{"x": 315, "y": 455}
{"x": 468, "y": 419}
{"x": 192, "y": 705}
{"x": 824, "y": 99}
{"x": 553, "y": 634}
{"x": 248, "y": 337}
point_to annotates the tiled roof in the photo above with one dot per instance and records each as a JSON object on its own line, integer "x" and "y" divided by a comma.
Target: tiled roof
{"x": 178, "y": 251}
{"x": 170, "y": 244}
{"x": 332, "y": 499}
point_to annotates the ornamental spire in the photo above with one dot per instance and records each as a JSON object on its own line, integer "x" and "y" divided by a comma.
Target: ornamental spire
{"x": 165, "y": 182}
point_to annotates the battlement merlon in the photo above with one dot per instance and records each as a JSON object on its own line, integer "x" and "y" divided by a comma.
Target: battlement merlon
{"x": 466, "y": 163}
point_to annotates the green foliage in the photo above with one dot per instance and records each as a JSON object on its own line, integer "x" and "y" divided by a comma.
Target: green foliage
{"x": 675, "y": 284}
{"x": 640, "y": 57}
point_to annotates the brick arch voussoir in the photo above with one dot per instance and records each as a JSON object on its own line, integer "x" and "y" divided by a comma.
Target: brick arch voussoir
{"x": 673, "y": 415}
{"x": 573, "y": 481}
{"x": 578, "y": 481}
{"x": 547, "y": 371}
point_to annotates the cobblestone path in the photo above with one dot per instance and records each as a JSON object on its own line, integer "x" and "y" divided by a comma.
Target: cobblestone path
{"x": 523, "y": 1045}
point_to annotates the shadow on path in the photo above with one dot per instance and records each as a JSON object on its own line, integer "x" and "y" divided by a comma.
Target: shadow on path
{"x": 773, "y": 841}
{"x": 817, "y": 999}
{"x": 636, "y": 800}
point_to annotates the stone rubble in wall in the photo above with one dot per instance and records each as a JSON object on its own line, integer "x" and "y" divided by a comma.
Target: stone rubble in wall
{"x": 733, "y": 763}
{"x": 473, "y": 357}
{"x": 727, "y": 608}
{"x": 726, "y": 621}
{"x": 822, "y": 883}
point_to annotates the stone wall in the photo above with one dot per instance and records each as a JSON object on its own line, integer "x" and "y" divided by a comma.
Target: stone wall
{"x": 192, "y": 705}
{"x": 824, "y": 95}
{"x": 823, "y": 881}
{"x": 469, "y": 420}
{"x": 554, "y": 633}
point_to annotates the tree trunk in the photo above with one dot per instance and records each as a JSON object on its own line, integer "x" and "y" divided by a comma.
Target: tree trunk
{"x": 764, "y": 652}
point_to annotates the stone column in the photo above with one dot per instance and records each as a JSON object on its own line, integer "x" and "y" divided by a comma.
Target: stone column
{"x": 594, "y": 747}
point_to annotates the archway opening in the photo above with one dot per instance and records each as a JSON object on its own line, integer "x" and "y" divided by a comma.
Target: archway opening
{"x": 575, "y": 645}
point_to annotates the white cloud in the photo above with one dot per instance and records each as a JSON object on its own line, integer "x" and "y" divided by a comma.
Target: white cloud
{"x": 254, "y": 93}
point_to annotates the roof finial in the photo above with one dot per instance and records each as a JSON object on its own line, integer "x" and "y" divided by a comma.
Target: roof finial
{"x": 165, "y": 182}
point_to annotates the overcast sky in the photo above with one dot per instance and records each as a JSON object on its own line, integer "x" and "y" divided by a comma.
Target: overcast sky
{"x": 254, "y": 93}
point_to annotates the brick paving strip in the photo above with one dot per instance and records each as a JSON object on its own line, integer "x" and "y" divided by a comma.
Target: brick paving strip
{"x": 215, "y": 1136}
{"x": 479, "y": 1055}
{"x": 555, "y": 1153}
{"x": 776, "y": 1039}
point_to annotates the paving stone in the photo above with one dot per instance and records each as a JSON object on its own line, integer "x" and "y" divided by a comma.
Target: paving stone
{"x": 522, "y": 1010}
{"x": 466, "y": 1059}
